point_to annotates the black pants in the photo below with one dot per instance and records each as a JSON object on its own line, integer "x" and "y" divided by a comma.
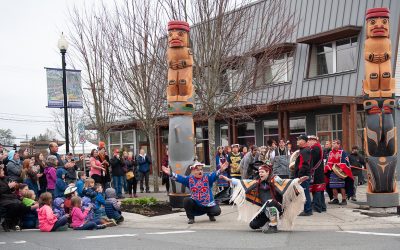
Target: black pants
{"x": 259, "y": 221}
{"x": 97, "y": 178}
{"x": 14, "y": 213}
{"x": 132, "y": 184}
{"x": 192, "y": 209}
{"x": 319, "y": 201}
{"x": 144, "y": 177}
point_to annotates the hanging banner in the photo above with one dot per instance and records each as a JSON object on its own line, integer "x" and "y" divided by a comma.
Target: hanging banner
{"x": 55, "y": 94}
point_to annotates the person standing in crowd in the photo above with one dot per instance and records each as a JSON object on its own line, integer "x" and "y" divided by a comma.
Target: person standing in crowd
{"x": 50, "y": 173}
{"x": 40, "y": 166}
{"x": 165, "y": 177}
{"x": 245, "y": 150}
{"x": 302, "y": 169}
{"x": 117, "y": 171}
{"x": 327, "y": 149}
{"x": 105, "y": 163}
{"x": 247, "y": 163}
{"x": 280, "y": 164}
{"x": 263, "y": 154}
{"x": 143, "y": 162}
{"x": 220, "y": 159}
{"x": 289, "y": 148}
{"x": 125, "y": 168}
{"x": 317, "y": 185}
{"x": 14, "y": 167}
{"x": 344, "y": 182}
{"x": 53, "y": 148}
{"x": 95, "y": 167}
{"x": 70, "y": 167}
{"x": 357, "y": 164}
{"x": 201, "y": 200}
{"x": 234, "y": 159}
{"x": 131, "y": 175}
{"x": 23, "y": 154}
{"x": 227, "y": 150}
{"x": 271, "y": 150}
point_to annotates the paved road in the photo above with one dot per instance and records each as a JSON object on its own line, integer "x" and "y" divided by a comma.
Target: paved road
{"x": 131, "y": 238}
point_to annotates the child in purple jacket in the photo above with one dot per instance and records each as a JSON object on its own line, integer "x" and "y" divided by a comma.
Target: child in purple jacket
{"x": 50, "y": 172}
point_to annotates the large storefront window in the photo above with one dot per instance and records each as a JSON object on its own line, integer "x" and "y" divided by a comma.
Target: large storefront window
{"x": 124, "y": 140}
{"x": 297, "y": 127}
{"x": 202, "y": 145}
{"x": 270, "y": 131}
{"x": 224, "y": 135}
{"x": 329, "y": 127}
{"x": 246, "y": 133}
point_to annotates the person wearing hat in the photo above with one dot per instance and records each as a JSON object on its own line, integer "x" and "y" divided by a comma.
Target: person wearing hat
{"x": 317, "y": 187}
{"x": 234, "y": 159}
{"x": 201, "y": 200}
{"x": 302, "y": 168}
{"x": 339, "y": 175}
{"x": 265, "y": 199}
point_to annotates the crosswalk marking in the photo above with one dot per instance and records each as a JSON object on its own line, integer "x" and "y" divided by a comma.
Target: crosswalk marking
{"x": 19, "y": 242}
{"x": 370, "y": 233}
{"x": 173, "y": 232}
{"x": 107, "y": 236}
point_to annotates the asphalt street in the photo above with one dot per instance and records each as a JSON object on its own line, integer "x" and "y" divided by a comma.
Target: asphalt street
{"x": 131, "y": 238}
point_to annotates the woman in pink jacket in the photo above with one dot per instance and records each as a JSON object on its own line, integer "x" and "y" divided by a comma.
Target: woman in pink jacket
{"x": 48, "y": 222}
{"x": 79, "y": 218}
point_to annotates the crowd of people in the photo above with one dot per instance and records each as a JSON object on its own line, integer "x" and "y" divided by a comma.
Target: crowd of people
{"x": 53, "y": 193}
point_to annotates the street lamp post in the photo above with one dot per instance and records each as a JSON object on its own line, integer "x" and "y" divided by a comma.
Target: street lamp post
{"x": 63, "y": 46}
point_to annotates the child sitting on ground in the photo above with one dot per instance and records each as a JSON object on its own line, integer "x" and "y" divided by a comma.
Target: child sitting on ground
{"x": 88, "y": 189}
{"x": 80, "y": 183}
{"x": 58, "y": 207}
{"x": 79, "y": 218}
{"x": 48, "y": 222}
{"x": 30, "y": 219}
{"x": 113, "y": 206}
{"x": 69, "y": 192}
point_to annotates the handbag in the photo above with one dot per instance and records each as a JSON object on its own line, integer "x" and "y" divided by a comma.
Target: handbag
{"x": 129, "y": 175}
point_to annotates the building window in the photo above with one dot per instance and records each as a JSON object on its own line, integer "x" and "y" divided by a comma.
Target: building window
{"x": 224, "y": 135}
{"x": 333, "y": 57}
{"x": 329, "y": 127}
{"x": 270, "y": 131}
{"x": 276, "y": 71}
{"x": 124, "y": 140}
{"x": 297, "y": 127}
{"x": 246, "y": 133}
{"x": 202, "y": 151}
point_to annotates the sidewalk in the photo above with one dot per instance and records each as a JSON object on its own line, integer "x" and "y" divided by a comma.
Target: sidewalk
{"x": 337, "y": 218}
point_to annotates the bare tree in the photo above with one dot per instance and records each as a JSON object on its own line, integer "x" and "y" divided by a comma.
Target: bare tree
{"x": 234, "y": 44}
{"x": 138, "y": 66}
{"x": 74, "y": 118}
{"x": 90, "y": 53}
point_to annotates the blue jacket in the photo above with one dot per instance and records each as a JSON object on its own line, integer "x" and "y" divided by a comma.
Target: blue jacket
{"x": 200, "y": 189}
{"x": 79, "y": 185}
{"x": 100, "y": 200}
{"x": 61, "y": 185}
{"x": 143, "y": 163}
{"x": 32, "y": 186}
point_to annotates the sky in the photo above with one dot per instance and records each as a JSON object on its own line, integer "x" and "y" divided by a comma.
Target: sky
{"x": 29, "y": 34}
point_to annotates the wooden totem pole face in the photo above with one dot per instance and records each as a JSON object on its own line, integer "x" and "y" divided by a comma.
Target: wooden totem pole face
{"x": 178, "y": 38}
{"x": 378, "y": 27}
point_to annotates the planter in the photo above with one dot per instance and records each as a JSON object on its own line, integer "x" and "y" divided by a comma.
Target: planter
{"x": 152, "y": 209}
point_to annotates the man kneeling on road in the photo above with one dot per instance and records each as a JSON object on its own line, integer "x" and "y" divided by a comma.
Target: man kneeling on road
{"x": 200, "y": 185}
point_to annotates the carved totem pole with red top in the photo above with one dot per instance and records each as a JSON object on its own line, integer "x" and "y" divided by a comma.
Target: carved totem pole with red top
{"x": 180, "y": 106}
{"x": 380, "y": 135}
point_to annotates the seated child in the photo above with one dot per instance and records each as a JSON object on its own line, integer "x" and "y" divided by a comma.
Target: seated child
{"x": 113, "y": 206}
{"x": 22, "y": 189}
{"x": 30, "y": 219}
{"x": 69, "y": 192}
{"x": 48, "y": 222}
{"x": 88, "y": 189}
{"x": 79, "y": 218}
{"x": 61, "y": 184}
{"x": 80, "y": 183}
{"x": 58, "y": 207}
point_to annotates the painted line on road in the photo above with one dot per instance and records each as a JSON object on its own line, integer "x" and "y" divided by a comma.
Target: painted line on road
{"x": 173, "y": 232}
{"x": 370, "y": 233}
{"x": 107, "y": 236}
{"x": 2, "y": 243}
{"x": 19, "y": 242}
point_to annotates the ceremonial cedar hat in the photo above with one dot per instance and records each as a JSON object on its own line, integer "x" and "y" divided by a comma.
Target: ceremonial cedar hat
{"x": 235, "y": 145}
{"x": 377, "y": 12}
{"x": 178, "y": 25}
{"x": 313, "y": 137}
{"x": 196, "y": 165}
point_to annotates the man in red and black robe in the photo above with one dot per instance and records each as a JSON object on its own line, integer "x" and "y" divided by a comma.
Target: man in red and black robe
{"x": 302, "y": 168}
{"x": 317, "y": 185}
{"x": 334, "y": 182}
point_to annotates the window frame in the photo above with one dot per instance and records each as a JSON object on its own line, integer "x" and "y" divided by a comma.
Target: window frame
{"x": 122, "y": 143}
{"x": 288, "y": 74}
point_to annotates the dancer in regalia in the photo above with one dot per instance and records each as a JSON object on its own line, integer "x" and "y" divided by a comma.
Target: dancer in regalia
{"x": 264, "y": 200}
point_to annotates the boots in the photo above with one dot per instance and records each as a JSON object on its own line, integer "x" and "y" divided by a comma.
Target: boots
{"x": 270, "y": 230}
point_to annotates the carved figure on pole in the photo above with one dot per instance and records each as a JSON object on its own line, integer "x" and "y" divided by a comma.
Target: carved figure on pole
{"x": 380, "y": 134}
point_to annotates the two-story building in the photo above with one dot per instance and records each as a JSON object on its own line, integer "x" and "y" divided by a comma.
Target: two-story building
{"x": 320, "y": 91}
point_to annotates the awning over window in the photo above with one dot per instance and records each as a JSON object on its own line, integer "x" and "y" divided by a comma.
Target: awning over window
{"x": 331, "y": 35}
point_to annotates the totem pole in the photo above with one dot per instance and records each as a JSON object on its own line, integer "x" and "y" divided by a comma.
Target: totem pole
{"x": 380, "y": 135}
{"x": 180, "y": 106}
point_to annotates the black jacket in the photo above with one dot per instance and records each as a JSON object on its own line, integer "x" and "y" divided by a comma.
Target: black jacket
{"x": 117, "y": 166}
{"x": 316, "y": 158}
{"x": 7, "y": 195}
{"x": 302, "y": 165}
